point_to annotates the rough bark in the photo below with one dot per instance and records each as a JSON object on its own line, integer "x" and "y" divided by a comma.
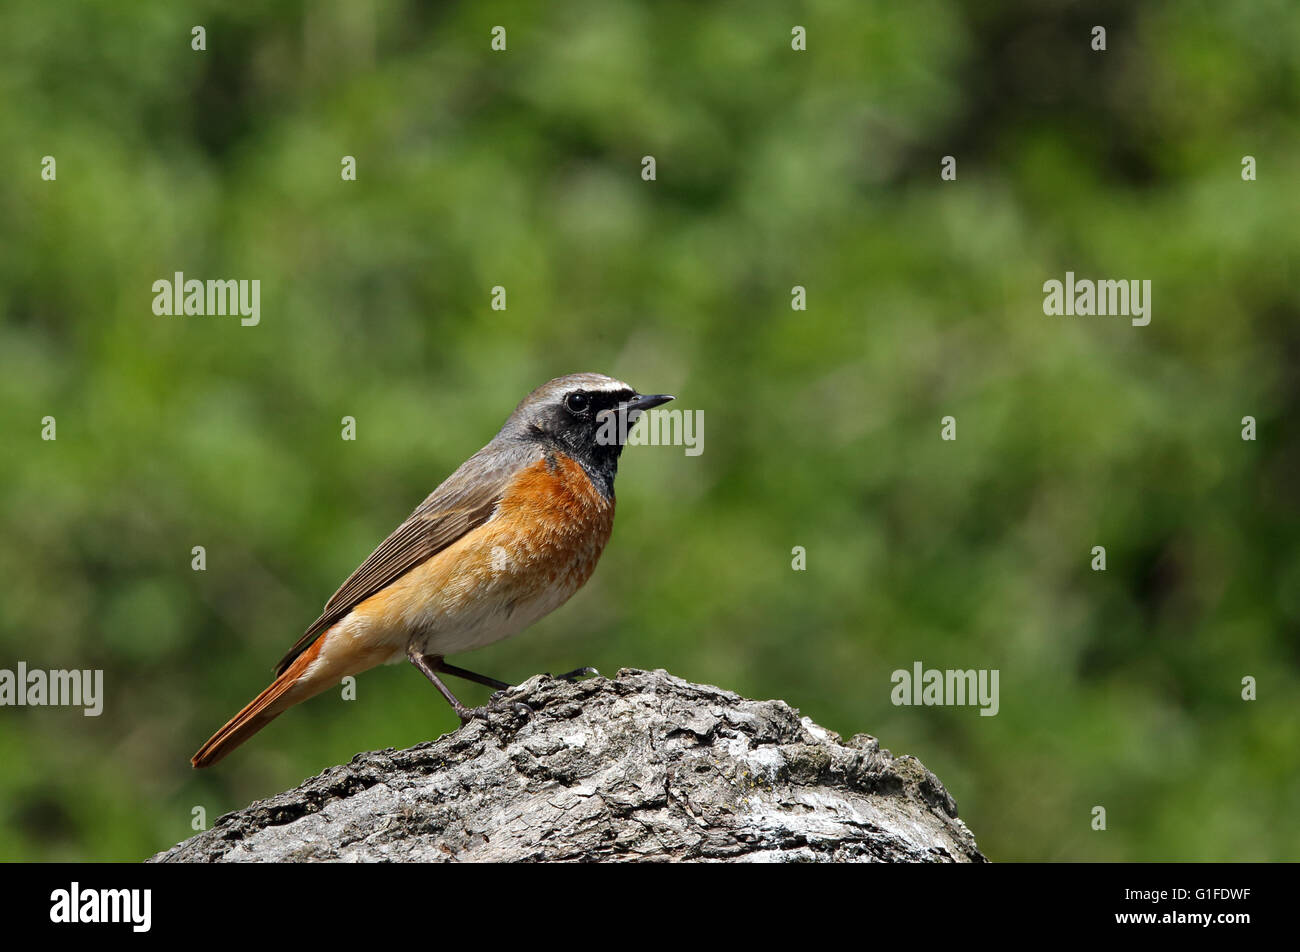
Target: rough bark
{"x": 642, "y": 767}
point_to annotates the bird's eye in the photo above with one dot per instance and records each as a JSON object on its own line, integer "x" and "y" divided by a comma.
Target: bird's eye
{"x": 577, "y": 402}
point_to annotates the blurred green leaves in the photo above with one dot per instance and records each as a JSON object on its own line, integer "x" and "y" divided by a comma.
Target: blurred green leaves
{"x": 775, "y": 169}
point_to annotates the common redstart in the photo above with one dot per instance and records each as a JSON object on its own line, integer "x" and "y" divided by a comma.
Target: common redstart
{"x": 505, "y": 540}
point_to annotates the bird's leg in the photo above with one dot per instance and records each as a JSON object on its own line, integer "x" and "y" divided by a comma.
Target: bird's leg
{"x": 520, "y": 707}
{"x": 455, "y": 672}
{"x": 440, "y": 665}
{"x": 430, "y": 665}
{"x": 426, "y": 665}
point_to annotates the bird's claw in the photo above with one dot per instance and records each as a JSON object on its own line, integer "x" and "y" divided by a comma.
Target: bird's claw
{"x": 584, "y": 672}
{"x": 495, "y": 706}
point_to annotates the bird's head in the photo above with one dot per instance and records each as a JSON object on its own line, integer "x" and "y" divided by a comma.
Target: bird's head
{"x": 586, "y": 416}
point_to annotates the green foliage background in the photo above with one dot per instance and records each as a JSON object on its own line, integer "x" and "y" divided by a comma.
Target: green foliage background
{"x": 775, "y": 169}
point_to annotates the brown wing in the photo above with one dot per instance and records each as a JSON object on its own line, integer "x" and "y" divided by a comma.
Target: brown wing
{"x": 464, "y": 502}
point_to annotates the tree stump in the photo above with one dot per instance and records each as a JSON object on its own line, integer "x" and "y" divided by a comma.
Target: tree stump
{"x": 645, "y": 766}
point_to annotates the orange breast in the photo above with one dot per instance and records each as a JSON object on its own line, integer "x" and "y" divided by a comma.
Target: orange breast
{"x": 553, "y": 522}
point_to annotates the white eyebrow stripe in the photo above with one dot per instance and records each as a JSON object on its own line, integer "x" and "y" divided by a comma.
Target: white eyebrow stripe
{"x": 612, "y": 386}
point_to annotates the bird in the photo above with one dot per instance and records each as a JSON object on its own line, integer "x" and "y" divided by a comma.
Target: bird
{"x": 505, "y": 540}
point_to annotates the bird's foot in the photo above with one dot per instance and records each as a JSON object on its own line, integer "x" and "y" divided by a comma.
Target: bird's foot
{"x": 576, "y": 674}
{"x": 497, "y": 705}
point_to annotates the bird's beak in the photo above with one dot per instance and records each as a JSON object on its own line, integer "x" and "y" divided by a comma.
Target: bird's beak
{"x": 629, "y": 411}
{"x": 644, "y": 401}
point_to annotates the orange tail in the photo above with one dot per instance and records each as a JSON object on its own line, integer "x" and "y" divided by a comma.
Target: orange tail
{"x": 284, "y": 692}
